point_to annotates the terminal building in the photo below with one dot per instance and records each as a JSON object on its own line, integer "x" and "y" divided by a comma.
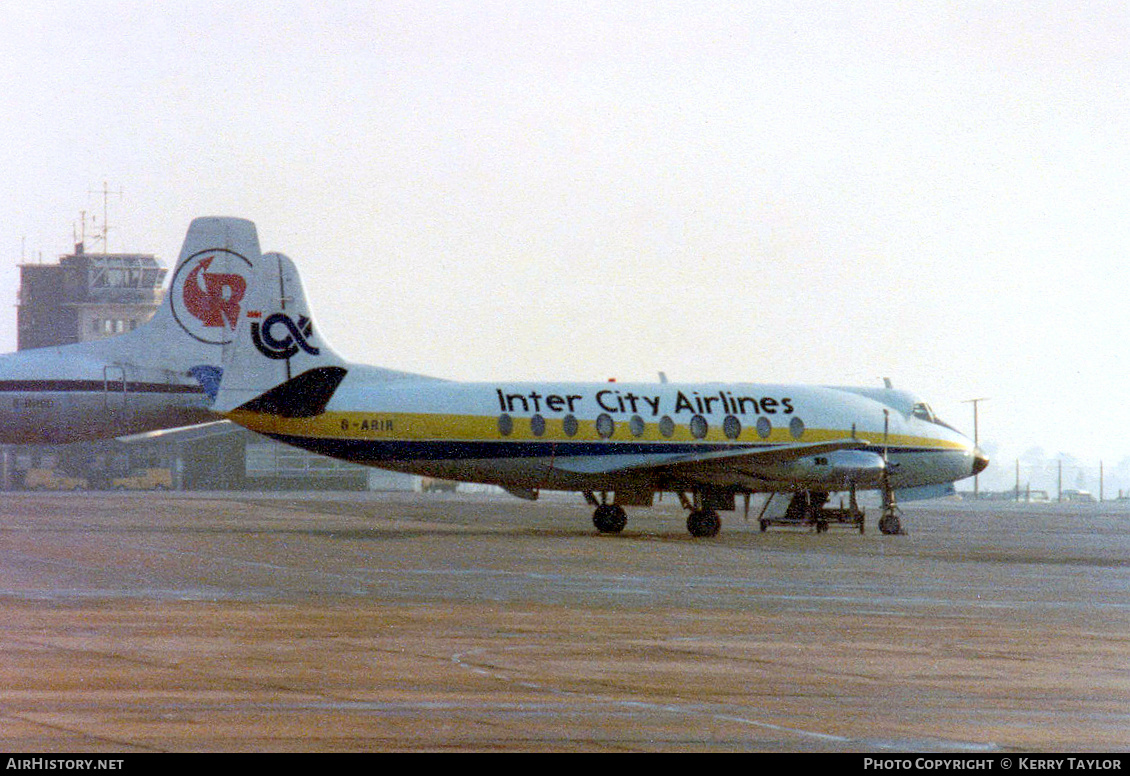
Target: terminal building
{"x": 88, "y": 296}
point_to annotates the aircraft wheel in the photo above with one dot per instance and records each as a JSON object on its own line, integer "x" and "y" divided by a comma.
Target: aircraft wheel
{"x": 704, "y": 523}
{"x": 609, "y": 518}
{"x": 890, "y": 524}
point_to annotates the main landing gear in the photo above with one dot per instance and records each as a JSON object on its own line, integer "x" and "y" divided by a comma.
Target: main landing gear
{"x": 608, "y": 518}
{"x": 702, "y": 522}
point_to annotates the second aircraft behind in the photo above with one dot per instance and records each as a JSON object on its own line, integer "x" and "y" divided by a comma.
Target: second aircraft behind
{"x": 157, "y": 376}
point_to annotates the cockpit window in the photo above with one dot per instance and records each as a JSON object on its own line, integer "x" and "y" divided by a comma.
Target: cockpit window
{"x": 922, "y": 411}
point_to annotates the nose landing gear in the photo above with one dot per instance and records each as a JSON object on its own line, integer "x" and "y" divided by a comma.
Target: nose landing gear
{"x": 890, "y": 522}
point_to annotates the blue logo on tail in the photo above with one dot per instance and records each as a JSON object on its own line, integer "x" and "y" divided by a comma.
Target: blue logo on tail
{"x": 296, "y": 336}
{"x": 209, "y": 378}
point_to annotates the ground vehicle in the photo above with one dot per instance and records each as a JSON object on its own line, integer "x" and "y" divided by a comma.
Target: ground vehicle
{"x": 49, "y": 479}
{"x": 810, "y": 510}
{"x": 145, "y": 479}
{"x": 436, "y": 485}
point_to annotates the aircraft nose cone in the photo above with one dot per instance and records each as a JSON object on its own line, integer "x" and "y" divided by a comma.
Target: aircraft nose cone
{"x": 980, "y": 461}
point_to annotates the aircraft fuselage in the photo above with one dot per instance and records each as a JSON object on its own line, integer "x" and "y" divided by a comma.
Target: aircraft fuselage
{"x": 49, "y": 396}
{"x": 604, "y": 436}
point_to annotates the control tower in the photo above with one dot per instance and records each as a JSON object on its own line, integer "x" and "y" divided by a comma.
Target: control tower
{"x": 86, "y": 296}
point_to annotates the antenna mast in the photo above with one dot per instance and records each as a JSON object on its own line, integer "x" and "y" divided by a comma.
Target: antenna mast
{"x": 105, "y": 236}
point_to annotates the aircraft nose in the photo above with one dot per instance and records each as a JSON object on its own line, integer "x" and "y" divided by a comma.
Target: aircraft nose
{"x": 980, "y": 461}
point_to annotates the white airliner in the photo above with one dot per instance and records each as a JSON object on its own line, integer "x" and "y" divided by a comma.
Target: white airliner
{"x": 154, "y": 377}
{"x": 617, "y": 443}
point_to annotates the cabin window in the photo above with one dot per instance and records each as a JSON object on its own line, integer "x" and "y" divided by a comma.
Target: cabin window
{"x": 732, "y": 427}
{"x": 604, "y": 425}
{"x": 764, "y": 427}
{"x": 505, "y": 424}
{"x": 570, "y": 426}
{"x": 796, "y": 428}
{"x": 699, "y": 427}
{"x": 537, "y": 425}
{"x": 637, "y": 426}
{"x": 666, "y": 426}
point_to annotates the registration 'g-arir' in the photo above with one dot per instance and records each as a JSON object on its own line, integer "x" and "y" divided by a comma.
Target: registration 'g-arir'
{"x": 618, "y": 443}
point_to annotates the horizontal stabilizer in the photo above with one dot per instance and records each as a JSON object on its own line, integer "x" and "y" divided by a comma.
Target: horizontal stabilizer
{"x": 304, "y": 396}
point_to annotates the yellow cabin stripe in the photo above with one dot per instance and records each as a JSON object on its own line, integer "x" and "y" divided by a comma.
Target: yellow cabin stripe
{"x": 484, "y": 428}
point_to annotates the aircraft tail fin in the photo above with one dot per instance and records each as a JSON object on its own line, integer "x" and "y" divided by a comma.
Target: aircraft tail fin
{"x": 276, "y": 363}
{"x": 202, "y": 305}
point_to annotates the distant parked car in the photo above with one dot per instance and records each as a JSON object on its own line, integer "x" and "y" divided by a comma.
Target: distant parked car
{"x": 145, "y": 479}
{"x": 49, "y": 479}
{"x": 434, "y": 485}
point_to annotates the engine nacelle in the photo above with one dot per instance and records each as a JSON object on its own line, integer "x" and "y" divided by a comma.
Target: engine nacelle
{"x": 835, "y": 470}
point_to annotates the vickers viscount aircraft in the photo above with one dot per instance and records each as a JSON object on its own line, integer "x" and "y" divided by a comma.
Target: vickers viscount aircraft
{"x": 708, "y": 443}
{"x": 157, "y": 376}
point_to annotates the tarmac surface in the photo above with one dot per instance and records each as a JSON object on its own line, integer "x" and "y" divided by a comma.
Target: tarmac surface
{"x": 405, "y": 622}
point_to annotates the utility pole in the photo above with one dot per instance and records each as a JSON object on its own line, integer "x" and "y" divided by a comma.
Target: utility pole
{"x": 976, "y": 440}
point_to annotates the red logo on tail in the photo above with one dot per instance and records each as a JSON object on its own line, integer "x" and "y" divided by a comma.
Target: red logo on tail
{"x": 207, "y": 304}
{"x": 216, "y": 301}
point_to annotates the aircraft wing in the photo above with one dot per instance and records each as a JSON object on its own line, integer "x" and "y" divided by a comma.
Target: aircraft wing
{"x": 703, "y": 464}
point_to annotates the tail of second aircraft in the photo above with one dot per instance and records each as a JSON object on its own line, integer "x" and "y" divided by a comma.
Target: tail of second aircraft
{"x": 199, "y": 313}
{"x": 162, "y": 374}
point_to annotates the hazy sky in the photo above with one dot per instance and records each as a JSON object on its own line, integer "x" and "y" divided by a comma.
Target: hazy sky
{"x": 811, "y": 192}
